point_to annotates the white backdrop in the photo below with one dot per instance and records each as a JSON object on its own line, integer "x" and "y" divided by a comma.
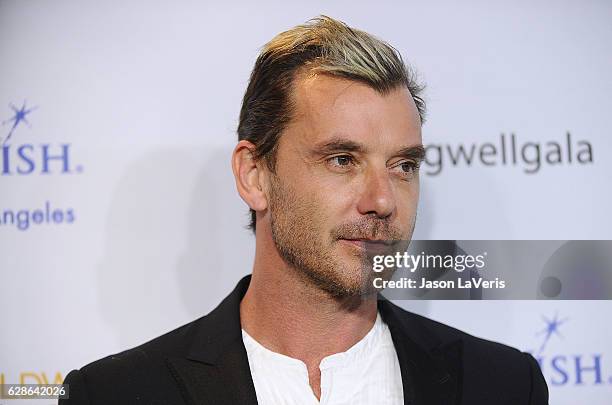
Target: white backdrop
{"x": 131, "y": 111}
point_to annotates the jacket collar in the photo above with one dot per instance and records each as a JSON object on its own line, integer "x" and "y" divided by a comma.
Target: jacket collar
{"x": 216, "y": 368}
{"x": 430, "y": 367}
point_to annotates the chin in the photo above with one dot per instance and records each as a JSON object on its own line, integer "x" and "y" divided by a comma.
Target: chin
{"x": 353, "y": 281}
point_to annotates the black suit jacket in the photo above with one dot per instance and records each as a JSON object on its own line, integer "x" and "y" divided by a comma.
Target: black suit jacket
{"x": 205, "y": 362}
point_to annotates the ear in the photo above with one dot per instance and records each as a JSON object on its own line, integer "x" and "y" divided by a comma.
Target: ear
{"x": 248, "y": 175}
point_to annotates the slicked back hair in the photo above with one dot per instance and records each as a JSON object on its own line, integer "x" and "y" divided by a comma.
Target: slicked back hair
{"x": 322, "y": 45}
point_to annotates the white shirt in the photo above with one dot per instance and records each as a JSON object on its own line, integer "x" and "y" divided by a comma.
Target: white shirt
{"x": 367, "y": 373}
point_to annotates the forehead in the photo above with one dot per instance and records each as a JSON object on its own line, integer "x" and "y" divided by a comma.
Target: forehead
{"x": 327, "y": 106}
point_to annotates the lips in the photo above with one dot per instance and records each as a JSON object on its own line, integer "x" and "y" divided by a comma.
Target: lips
{"x": 371, "y": 241}
{"x": 370, "y": 245}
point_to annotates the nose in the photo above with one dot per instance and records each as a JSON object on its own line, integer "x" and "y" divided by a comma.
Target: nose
{"x": 377, "y": 196}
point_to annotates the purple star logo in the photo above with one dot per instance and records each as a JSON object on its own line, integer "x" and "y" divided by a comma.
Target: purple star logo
{"x": 552, "y": 328}
{"x": 18, "y": 117}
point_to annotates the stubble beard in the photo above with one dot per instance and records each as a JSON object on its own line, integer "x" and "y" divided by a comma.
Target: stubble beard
{"x": 302, "y": 246}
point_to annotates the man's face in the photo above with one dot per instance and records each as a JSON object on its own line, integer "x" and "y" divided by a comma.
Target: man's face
{"x": 346, "y": 179}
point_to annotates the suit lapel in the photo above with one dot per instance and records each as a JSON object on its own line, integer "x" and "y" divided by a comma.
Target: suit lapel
{"x": 216, "y": 368}
{"x": 227, "y": 382}
{"x": 431, "y": 369}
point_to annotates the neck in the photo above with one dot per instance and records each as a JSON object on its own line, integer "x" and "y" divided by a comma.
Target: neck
{"x": 289, "y": 315}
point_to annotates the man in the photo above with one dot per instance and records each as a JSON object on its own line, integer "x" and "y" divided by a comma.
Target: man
{"x": 327, "y": 160}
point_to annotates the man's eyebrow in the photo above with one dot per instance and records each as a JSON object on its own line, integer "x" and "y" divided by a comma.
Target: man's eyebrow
{"x": 337, "y": 145}
{"x": 416, "y": 152}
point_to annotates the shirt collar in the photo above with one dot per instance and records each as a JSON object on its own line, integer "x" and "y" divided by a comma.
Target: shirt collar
{"x": 354, "y": 355}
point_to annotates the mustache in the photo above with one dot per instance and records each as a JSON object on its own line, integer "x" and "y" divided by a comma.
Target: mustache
{"x": 368, "y": 228}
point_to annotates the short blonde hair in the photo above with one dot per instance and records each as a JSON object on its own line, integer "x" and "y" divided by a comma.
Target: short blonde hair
{"x": 321, "y": 45}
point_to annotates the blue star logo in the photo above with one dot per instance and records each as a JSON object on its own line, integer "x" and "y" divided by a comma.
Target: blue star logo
{"x": 18, "y": 117}
{"x": 552, "y": 328}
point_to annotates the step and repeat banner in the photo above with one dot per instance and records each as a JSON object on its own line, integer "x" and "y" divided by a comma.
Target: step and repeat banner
{"x": 119, "y": 218}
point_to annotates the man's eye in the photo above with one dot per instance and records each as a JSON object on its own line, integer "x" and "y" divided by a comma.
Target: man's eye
{"x": 341, "y": 160}
{"x": 406, "y": 168}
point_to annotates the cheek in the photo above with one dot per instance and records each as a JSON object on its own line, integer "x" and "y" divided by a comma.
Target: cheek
{"x": 339, "y": 202}
{"x": 408, "y": 200}
{"x": 328, "y": 205}
{"x": 323, "y": 209}
{"x": 330, "y": 192}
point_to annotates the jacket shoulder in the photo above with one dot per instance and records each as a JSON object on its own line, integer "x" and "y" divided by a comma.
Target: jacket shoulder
{"x": 490, "y": 371}
{"x": 170, "y": 344}
{"x": 136, "y": 375}
{"x": 442, "y": 334}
